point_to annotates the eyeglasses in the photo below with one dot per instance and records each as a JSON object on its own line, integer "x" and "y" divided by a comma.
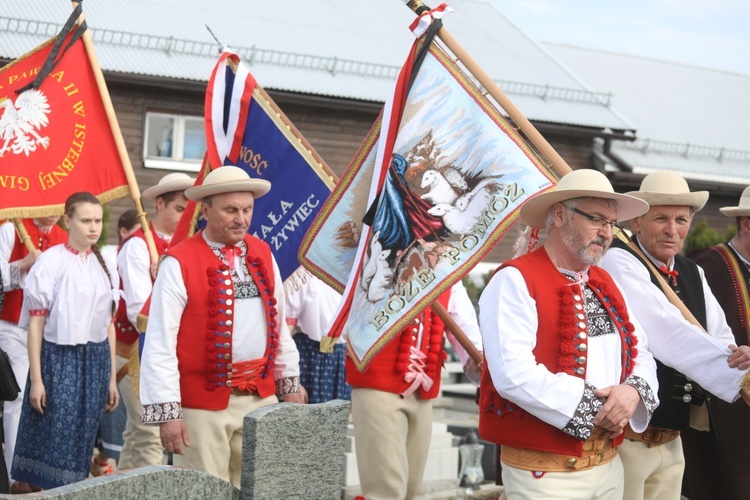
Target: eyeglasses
{"x": 599, "y": 221}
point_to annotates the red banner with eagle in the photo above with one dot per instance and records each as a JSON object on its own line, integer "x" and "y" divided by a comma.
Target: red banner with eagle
{"x": 55, "y": 139}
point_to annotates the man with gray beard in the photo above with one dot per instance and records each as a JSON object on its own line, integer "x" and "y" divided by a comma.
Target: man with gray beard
{"x": 567, "y": 368}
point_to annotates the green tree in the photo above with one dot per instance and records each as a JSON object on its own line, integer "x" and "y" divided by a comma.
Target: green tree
{"x": 703, "y": 236}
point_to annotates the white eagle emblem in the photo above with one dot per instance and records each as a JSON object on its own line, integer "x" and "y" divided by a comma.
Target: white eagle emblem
{"x": 21, "y": 120}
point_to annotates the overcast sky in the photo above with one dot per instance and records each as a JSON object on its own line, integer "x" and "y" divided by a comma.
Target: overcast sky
{"x": 710, "y": 33}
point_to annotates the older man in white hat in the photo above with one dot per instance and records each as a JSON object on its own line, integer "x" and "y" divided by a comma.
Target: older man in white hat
{"x": 217, "y": 346}
{"x": 686, "y": 356}
{"x": 142, "y": 446}
{"x": 567, "y": 366}
{"x": 727, "y": 269}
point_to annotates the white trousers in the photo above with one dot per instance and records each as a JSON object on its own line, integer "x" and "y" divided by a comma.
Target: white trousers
{"x": 142, "y": 444}
{"x": 652, "y": 473}
{"x": 603, "y": 482}
{"x": 14, "y": 341}
{"x": 216, "y": 437}
{"x": 391, "y": 438}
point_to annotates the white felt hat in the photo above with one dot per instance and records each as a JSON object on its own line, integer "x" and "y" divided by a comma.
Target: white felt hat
{"x": 577, "y": 184}
{"x": 668, "y": 188}
{"x": 743, "y": 209}
{"x": 176, "y": 181}
{"x": 228, "y": 179}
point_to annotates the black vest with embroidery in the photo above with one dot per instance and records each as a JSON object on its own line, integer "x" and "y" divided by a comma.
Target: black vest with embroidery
{"x": 676, "y": 392}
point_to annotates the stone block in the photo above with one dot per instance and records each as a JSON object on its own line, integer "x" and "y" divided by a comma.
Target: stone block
{"x": 294, "y": 451}
{"x": 158, "y": 481}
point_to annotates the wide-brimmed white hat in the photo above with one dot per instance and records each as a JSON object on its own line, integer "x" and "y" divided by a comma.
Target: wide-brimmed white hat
{"x": 668, "y": 188}
{"x": 228, "y": 179}
{"x": 577, "y": 184}
{"x": 742, "y": 210}
{"x": 176, "y": 181}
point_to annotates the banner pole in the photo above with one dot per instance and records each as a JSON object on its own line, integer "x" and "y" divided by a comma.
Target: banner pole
{"x": 560, "y": 166}
{"x": 23, "y": 234}
{"x": 461, "y": 337}
{"x": 135, "y": 192}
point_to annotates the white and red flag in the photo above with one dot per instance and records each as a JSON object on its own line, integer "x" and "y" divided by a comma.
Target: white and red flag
{"x": 435, "y": 185}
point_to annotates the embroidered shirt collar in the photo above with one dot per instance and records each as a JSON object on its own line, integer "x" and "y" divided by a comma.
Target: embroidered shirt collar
{"x": 219, "y": 246}
{"x": 77, "y": 252}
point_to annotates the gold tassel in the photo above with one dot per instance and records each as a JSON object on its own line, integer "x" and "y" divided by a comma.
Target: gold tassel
{"x": 327, "y": 344}
{"x": 745, "y": 388}
{"x": 141, "y": 322}
{"x": 134, "y": 364}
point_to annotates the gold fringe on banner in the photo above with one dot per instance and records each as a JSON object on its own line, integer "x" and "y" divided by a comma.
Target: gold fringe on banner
{"x": 50, "y": 210}
{"x": 294, "y": 281}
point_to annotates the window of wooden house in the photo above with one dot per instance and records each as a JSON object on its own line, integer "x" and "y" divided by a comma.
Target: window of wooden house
{"x": 175, "y": 142}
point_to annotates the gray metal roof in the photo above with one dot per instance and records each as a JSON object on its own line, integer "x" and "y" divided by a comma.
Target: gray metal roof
{"x": 689, "y": 119}
{"x": 342, "y": 48}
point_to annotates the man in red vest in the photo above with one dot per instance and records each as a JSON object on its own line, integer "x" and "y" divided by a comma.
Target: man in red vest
{"x": 566, "y": 366}
{"x": 142, "y": 446}
{"x": 44, "y": 233}
{"x": 392, "y": 398}
{"x": 217, "y": 346}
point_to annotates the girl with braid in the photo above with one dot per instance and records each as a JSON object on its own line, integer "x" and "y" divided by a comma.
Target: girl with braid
{"x": 69, "y": 302}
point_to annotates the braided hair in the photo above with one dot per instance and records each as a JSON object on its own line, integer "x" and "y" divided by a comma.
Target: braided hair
{"x": 70, "y": 207}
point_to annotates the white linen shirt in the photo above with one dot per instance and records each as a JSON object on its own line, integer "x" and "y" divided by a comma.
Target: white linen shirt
{"x": 672, "y": 339}
{"x": 73, "y": 288}
{"x": 313, "y": 305}
{"x": 160, "y": 377}
{"x": 462, "y": 311}
{"x": 508, "y": 318}
{"x": 134, "y": 264}
{"x": 12, "y": 276}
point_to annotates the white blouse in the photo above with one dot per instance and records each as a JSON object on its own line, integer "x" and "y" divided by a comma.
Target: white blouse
{"x": 312, "y": 308}
{"x": 72, "y": 289}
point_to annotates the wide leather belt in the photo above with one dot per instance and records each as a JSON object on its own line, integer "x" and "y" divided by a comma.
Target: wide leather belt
{"x": 653, "y": 435}
{"x": 597, "y": 450}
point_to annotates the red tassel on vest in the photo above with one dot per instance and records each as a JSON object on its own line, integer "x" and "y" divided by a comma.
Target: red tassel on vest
{"x": 387, "y": 371}
{"x": 204, "y": 341}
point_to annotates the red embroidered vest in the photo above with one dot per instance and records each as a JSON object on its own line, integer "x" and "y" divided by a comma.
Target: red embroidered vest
{"x": 204, "y": 340}
{"x": 562, "y": 341}
{"x": 387, "y": 371}
{"x": 14, "y": 299}
{"x": 125, "y": 330}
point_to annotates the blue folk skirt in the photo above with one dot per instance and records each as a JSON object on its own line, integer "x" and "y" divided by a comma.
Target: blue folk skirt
{"x": 54, "y": 448}
{"x": 322, "y": 375}
{"x": 109, "y": 436}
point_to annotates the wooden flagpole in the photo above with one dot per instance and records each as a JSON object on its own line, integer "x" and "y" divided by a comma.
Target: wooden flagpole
{"x": 23, "y": 235}
{"x": 135, "y": 192}
{"x": 559, "y": 165}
